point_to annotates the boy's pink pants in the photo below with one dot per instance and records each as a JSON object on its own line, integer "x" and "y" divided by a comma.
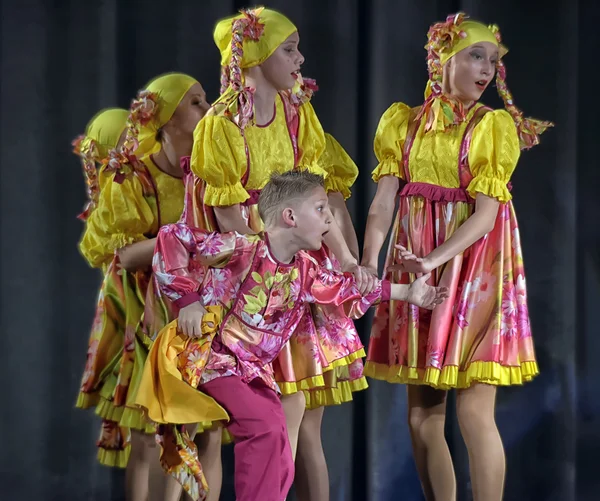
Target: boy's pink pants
{"x": 264, "y": 468}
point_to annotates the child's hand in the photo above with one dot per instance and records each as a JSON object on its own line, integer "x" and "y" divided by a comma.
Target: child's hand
{"x": 409, "y": 263}
{"x": 426, "y": 296}
{"x": 190, "y": 319}
{"x": 366, "y": 281}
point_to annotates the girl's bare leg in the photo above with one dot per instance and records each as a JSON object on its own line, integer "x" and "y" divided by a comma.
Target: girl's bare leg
{"x": 475, "y": 407}
{"x": 312, "y": 477}
{"x": 426, "y": 418}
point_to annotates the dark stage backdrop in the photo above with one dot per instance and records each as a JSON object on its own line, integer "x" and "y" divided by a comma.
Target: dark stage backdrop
{"x": 63, "y": 60}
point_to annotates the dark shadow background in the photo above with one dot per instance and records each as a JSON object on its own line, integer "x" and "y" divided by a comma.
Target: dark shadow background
{"x": 61, "y": 61}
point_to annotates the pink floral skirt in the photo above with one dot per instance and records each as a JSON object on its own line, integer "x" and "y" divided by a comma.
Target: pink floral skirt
{"x": 481, "y": 333}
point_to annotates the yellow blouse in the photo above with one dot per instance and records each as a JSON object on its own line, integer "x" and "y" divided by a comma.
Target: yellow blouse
{"x": 219, "y": 155}
{"x": 341, "y": 169}
{"x": 433, "y": 159}
{"x": 125, "y": 214}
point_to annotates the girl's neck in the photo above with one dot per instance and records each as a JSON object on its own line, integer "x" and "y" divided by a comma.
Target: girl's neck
{"x": 466, "y": 104}
{"x": 446, "y": 90}
{"x": 264, "y": 98}
{"x": 169, "y": 156}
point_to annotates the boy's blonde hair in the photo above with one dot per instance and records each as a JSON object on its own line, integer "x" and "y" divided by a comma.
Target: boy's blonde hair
{"x": 283, "y": 189}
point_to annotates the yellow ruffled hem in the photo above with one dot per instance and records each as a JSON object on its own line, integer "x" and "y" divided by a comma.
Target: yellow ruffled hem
{"x": 489, "y": 186}
{"x": 335, "y": 396}
{"x": 347, "y": 360}
{"x": 450, "y": 377}
{"x": 338, "y": 185}
{"x": 225, "y": 196}
{"x": 135, "y": 419}
{"x": 315, "y": 168}
{"x": 205, "y": 426}
{"x": 316, "y": 383}
{"x": 120, "y": 240}
{"x": 114, "y": 459}
{"x": 388, "y": 167}
{"x": 107, "y": 410}
{"x": 227, "y": 437}
{"x": 87, "y": 400}
{"x": 127, "y": 417}
{"x": 289, "y": 388}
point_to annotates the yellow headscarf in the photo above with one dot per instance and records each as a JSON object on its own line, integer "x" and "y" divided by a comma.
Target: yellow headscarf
{"x": 445, "y": 40}
{"x": 474, "y": 33}
{"x": 154, "y": 107}
{"x": 104, "y": 130}
{"x": 102, "y": 134}
{"x": 276, "y": 29}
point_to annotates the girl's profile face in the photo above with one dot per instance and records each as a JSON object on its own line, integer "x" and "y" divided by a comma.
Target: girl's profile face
{"x": 281, "y": 69}
{"x": 190, "y": 110}
{"x": 468, "y": 73}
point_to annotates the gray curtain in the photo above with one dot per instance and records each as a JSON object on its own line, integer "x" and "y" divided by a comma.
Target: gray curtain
{"x": 63, "y": 60}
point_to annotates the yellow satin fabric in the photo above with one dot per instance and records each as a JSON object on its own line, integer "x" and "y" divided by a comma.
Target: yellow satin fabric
{"x": 171, "y": 192}
{"x": 125, "y": 215}
{"x": 341, "y": 169}
{"x": 493, "y": 154}
{"x": 164, "y": 394}
{"x": 219, "y": 153}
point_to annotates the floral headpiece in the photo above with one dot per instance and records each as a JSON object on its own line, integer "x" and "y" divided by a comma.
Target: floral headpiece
{"x": 304, "y": 90}
{"x": 441, "y": 37}
{"x": 87, "y": 150}
{"x": 236, "y": 101}
{"x": 123, "y": 160}
{"x": 142, "y": 111}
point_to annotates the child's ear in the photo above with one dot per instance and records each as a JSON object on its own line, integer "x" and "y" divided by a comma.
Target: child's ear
{"x": 289, "y": 217}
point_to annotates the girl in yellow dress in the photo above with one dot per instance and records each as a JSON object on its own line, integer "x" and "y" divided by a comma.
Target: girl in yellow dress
{"x": 257, "y": 127}
{"x": 104, "y": 132}
{"x": 141, "y": 189}
{"x": 449, "y": 164}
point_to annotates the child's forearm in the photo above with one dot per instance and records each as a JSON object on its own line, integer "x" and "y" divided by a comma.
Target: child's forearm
{"x": 230, "y": 219}
{"x": 399, "y": 292}
{"x": 381, "y": 215}
{"x": 337, "y": 204}
{"x": 337, "y": 244}
{"x": 480, "y": 223}
{"x": 137, "y": 256}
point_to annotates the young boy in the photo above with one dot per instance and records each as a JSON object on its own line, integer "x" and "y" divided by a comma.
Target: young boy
{"x": 264, "y": 286}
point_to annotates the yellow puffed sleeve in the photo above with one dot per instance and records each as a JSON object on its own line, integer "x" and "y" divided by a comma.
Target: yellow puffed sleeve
{"x": 219, "y": 158}
{"x": 389, "y": 141}
{"x": 341, "y": 169}
{"x": 311, "y": 140}
{"x": 122, "y": 217}
{"x": 493, "y": 155}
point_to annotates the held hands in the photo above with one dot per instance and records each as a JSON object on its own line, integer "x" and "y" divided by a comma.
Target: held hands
{"x": 409, "y": 263}
{"x": 426, "y": 296}
{"x": 366, "y": 279}
{"x": 419, "y": 293}
{"x": 190, "y": 319}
